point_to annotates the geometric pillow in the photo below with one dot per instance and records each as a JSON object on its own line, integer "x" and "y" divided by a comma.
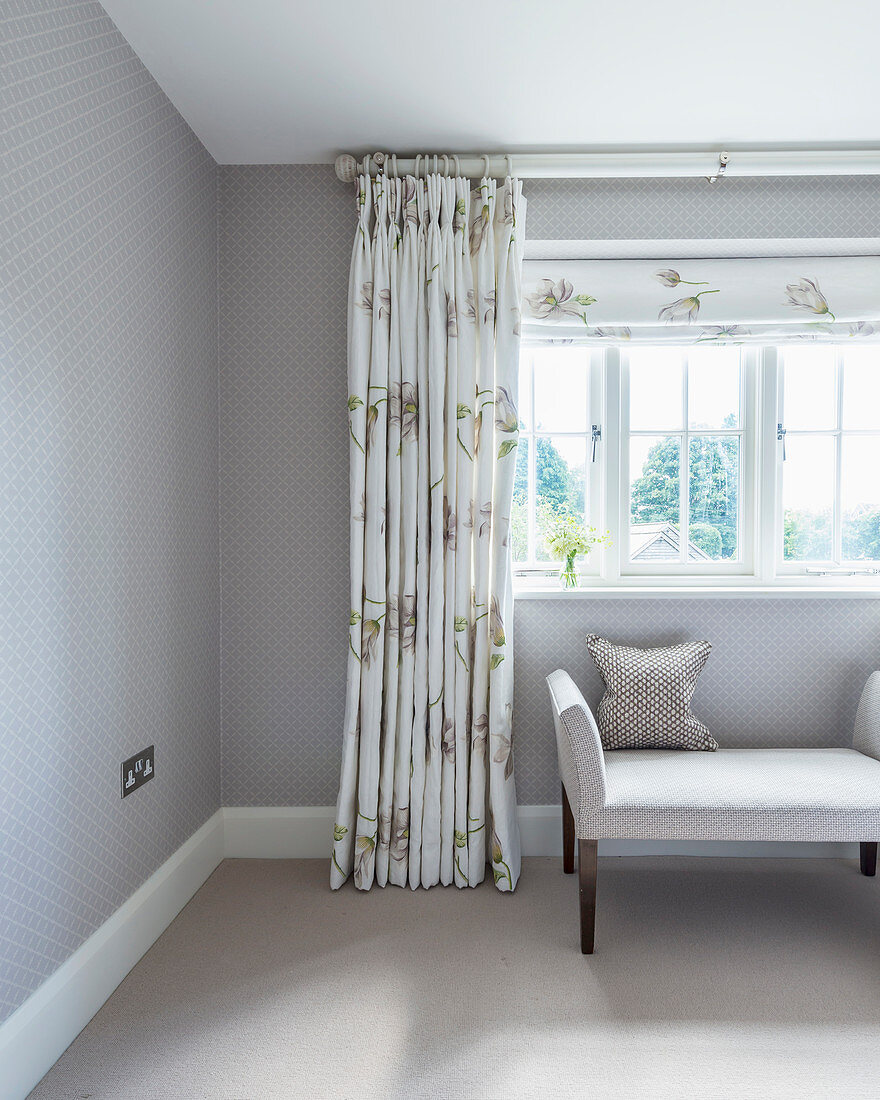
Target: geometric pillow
{"x": 648, "y": 693}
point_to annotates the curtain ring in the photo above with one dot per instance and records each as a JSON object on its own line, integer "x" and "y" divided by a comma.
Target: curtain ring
{"x": 436, "y": 163}
{"x": 394, "y": 165}
{"x": 485, "y": 166}
{"x": 445, "y": 165}
{"x": 509, "y": 160}
{"x": 418, "y": 162}
{"x": 457, "y": 165}
{"x": 368, "y": 164}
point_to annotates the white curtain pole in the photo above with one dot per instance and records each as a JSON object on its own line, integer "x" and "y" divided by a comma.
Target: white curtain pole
{"x": 712, "y": 165}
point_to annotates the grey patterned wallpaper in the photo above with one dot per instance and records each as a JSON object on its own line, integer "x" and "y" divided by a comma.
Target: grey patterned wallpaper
{"x": 285, "y": 242}
{"x": 109, "y": 512}
{"x": 646, "y": 209}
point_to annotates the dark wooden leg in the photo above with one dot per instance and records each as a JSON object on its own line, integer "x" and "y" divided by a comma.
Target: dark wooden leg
{"x": 588, "y": 866}
{"x": 868, "y": 858}
{"x": 567, "y": 835}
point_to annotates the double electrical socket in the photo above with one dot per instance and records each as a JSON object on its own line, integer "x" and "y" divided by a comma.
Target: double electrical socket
{"x": 138, "y": 770}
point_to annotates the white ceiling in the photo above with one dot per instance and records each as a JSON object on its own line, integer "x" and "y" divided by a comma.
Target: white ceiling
{"x": 290, "y": 81}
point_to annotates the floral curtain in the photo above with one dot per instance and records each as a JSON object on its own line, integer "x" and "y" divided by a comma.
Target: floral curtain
{"x": 762, "y": 300}
{"x": 427, "y": 793}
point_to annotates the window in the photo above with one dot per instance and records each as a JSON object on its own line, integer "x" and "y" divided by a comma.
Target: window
{"x": 829, "y": 423}
{"x": 684, "y": 424}
{"x": 708, "y": 463}
{"x": 555, "y": 474}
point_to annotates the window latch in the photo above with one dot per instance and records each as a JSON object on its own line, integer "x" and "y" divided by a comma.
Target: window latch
{"x": 597, "y": 439}
{"x": 780, "y": 437}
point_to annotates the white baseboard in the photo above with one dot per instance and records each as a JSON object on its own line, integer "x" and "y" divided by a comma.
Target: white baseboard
{"x": 278, "y": 832}
{"x": 36, "y": 1034}
{"x": 305, "y": 832}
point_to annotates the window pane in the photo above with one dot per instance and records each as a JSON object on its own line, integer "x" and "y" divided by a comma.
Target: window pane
{"x": 714, "y": 387}
{"x": 519, "y": 514}
{"x": 655, "y": 393}
{"x": 561, "y": 378}
{"x": 861, "y": 388}
{"x": 860, "y": 498}
{"x": 560, "y": 474}
{"x": 714, "y": 498}
{"x": 810, "y": 389}
{"x": 807, "y": 498}
{"x": 655, "y": 471}
{"x": 525, "y": 391}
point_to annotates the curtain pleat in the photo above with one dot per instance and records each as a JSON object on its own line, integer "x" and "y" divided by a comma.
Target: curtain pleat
{"x": 427, "y": 790}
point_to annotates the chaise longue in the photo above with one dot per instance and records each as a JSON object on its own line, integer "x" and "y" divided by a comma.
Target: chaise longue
{"x": 730, "y": 794}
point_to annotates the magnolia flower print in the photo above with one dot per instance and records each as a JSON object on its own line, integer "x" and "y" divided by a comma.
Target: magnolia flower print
{"x": 503, "y": 753}
{"x": 404, "y": 409}
{"x": 481, "y": 735}
{"x": 448, "y": 742}
{"x": 366, "y": 300}
{"x": 806, "y": 295}
{"x": 410, "y": 202}
{"x": 451, "y": 317}
{"x": 496, "y": 623}
{"x": 509, "y": 215}
{"x": 506, "y": 419}
{"x": 449, "y": 525}
{"x": 553, "y": 301}
{"x": 623, "y": 332}
{"x": 400, "y": 834}
{"x": 669, "y": 277}
{"x": 370, "y": 631}
{"x": 683, "y": 309}
{"x": 487, "y": 308}
{"x": 402, "y": 620}
{"x": 365, "y": 852}
{"x": 480, "y": 217}
{"x": 499, "y": 868}
{"x": 722, "y": 332}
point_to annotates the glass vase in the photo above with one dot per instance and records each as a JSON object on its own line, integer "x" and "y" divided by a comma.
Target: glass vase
{"x": 568, "y": 575}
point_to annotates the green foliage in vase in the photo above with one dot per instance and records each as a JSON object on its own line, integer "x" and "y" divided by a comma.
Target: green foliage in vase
{"x": 566, "y": 536}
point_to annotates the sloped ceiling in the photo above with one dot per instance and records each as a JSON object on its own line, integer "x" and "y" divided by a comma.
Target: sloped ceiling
{"x": 284, "y": 81}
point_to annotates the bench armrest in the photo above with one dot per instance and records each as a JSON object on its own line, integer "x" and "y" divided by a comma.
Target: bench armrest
{"x": 581, "y": 760}
{"x": 866, "y": 735}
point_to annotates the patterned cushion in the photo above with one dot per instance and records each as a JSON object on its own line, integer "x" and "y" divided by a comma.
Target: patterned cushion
{"x": 647, "y": 697}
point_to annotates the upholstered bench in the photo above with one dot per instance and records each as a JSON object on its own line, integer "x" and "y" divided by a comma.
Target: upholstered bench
{"x": 731, "y": 794}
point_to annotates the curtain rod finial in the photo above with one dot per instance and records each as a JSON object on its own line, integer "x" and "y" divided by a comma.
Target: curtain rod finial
{"x": 346, "y": 168}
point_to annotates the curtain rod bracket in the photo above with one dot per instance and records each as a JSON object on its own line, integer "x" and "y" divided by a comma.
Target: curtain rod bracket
{"x": 723, "y": 160}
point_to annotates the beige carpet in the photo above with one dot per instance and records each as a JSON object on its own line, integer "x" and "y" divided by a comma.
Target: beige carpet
{"x": 712, "y": 978}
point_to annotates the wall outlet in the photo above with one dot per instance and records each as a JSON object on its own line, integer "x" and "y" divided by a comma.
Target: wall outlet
{"x": 138, "y": 770}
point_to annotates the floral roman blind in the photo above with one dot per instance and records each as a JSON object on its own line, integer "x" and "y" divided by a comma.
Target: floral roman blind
{"x": 762, "y": 300}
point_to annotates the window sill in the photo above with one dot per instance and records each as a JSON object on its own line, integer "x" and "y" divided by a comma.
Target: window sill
{"x": 801, "y": 591}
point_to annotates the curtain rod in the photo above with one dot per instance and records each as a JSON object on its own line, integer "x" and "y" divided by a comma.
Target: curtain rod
{"x": 713, "y": 166}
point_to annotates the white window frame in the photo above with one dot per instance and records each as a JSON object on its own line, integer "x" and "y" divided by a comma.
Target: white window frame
{"x": 782, "y": 567}
{"x": 760, "y": 505}
{"x": 593, "y": 490}
{"x": 746, "y": 503}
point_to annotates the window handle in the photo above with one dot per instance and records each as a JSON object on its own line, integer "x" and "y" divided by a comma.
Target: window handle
{"x": 597, "y": 439}
{"x": 780, "y": 436}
